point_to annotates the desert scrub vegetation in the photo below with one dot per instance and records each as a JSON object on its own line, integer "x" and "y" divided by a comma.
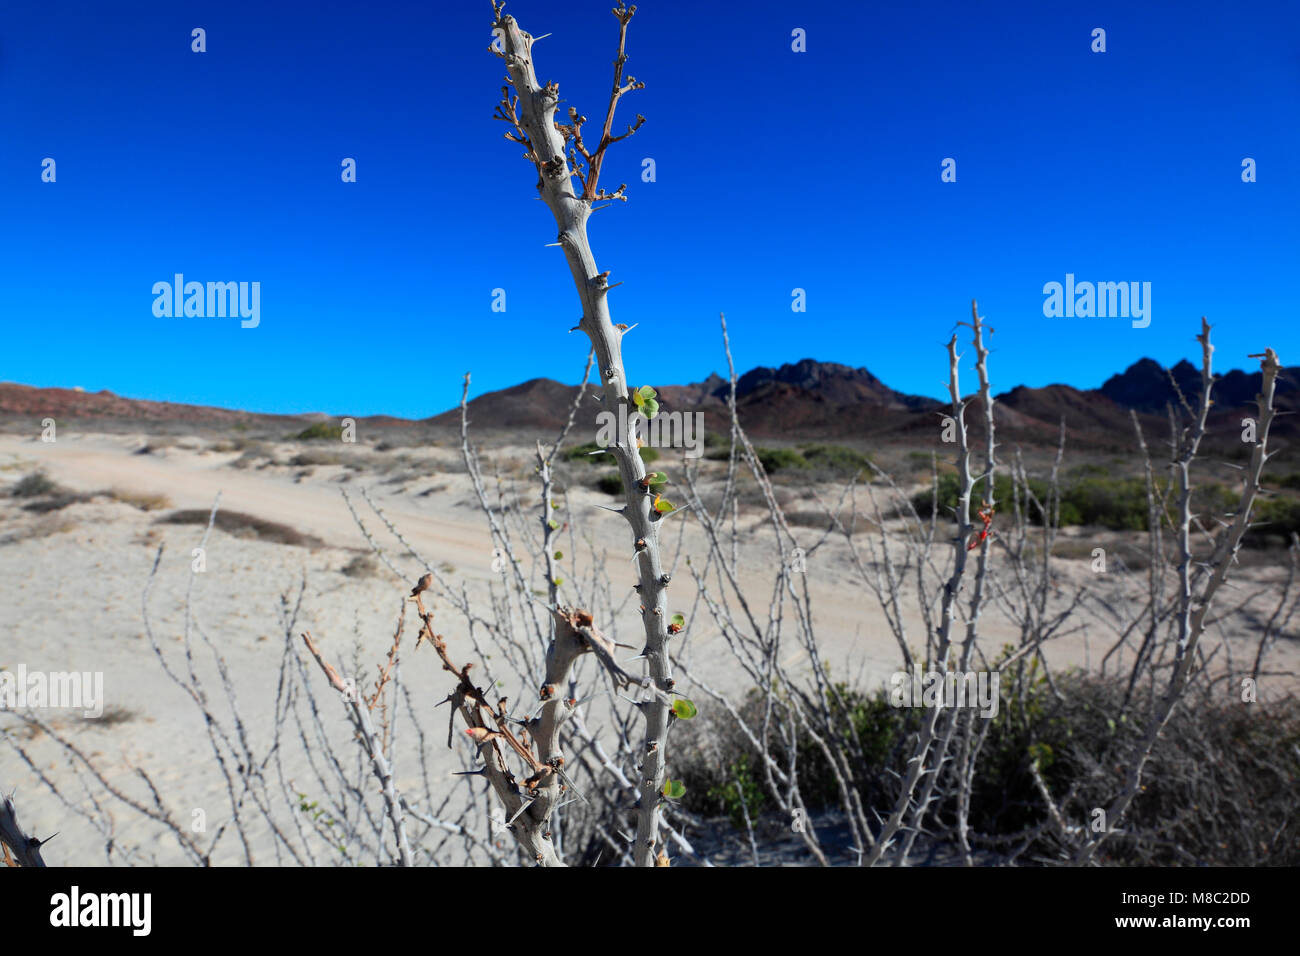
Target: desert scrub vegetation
{"x": 256, "y": 454}
{"x": 837, "y": 462}
{"x": 139, "y": 499}
{"x": 45, "y": 526}
{"x": 594, "y": 454}
{"x": 242, "y": 525}
{"x": 157, "y": 445}
{"x": 1220, "y": 791}
{"x": 42, "y": 495}
{"x": 818, "y": 462}
{"x": 34, "y": 484}
{"x": 320, "y": 431}
{"x": 779, "y": 459}
{"x": 1115, "y": 503}
{"x": 320, "y": 457}
{"x": 361, "y": 566}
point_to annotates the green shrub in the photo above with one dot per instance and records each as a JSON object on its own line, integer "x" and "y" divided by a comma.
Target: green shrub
{"x": 923, "y": 501}
{"x": 837, "y": 460}
{"x": 920, "y": 461}
{"x": 1219, "y": 787}
{"x": 321, "y": 431}
{"x": 1290, "y": 480}
{"x": 740, "y": 794}
{"x": 1273, "y": 518}
{"x": 1091, "y": 470}
{"x": 775, "y": 459}
{"x": 584, "y": 451}
{"x": 1119, "y": 504}
{"x": 1116, "y": 503}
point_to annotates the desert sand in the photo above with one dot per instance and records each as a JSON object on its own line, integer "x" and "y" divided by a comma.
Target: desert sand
{"x": 74, "y": 578}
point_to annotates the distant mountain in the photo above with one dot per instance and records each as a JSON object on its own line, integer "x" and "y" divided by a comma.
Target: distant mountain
{"x": 805, "y": 400}
{"x": 1100, "y": 418}
{"x": 109, "y": 412}
{"x": 75, "y": 404}
{"x": 836, "y": 383}
{"x": 1147, "y": 386}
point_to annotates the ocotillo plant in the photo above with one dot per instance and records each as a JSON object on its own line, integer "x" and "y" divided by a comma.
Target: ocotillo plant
{"x": 531, "y": 115}
{"x": 14, "y": 843}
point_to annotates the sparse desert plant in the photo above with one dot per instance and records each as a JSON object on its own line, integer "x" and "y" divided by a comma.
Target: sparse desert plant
{"x": 47, "y": 525}
{"x": 245, "y": 525}
{"x": 56, "y": 502}
{"x": 587, "y": 452}
{"x": 139, "y": 499}
{"x": 531, "y": 802}
{"x": 525, "y": 766}
{"x": 316, "y": 457}
{"x": 835, "y": 461}
{"x": 321, "y": 431}
{"x": 780, "y": 459}
{"x": 361, "y": 566}
{"x": 34, "y": 484}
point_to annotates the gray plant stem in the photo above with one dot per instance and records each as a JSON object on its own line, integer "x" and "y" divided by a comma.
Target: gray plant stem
{"x": 537, "y": 106}
{"x": 916, "y": 765}
{"x": 368, "y": 737}
{"x": 26, "y": 850}
{"x": 1191, "y": 624}
{"x": 952, "y": 720}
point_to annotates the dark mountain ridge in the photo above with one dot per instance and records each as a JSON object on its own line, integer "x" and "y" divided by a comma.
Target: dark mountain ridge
{"x": 807, "y": 400}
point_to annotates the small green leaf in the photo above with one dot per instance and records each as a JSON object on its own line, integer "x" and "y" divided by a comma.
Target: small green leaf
{"x": 684, "y": 709}
{"x": 649, "y": 408}
{"x": 678, "y": 621}
{"x": 559, "y": 581}
{"x": 663, "y": 505}
{"x": 645, "y": 391}
{"x": 656, "y": 478}
{"x": 552, "y": 524}
{"x": 559, "y": 555}
{"x": 674, "y": 789}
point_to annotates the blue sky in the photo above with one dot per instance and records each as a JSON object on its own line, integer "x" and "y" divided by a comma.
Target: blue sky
{"x": 775, "y": 170}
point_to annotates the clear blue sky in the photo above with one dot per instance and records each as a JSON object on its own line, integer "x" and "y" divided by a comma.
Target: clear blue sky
{"x": 775, "y": 170}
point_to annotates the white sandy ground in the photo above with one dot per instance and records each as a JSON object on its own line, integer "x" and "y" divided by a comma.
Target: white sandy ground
{"x": 71, "y": 600}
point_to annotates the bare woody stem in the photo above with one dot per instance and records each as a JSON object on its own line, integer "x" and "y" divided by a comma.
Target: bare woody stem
{"x": 27, "y": 850}
{"x": 1193, "y": 608}
{"x": 943, "y": 640}
{"x": 359, "y": 711}
{"x": 537, "y": 105}
{"x": 528, "y": 820}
